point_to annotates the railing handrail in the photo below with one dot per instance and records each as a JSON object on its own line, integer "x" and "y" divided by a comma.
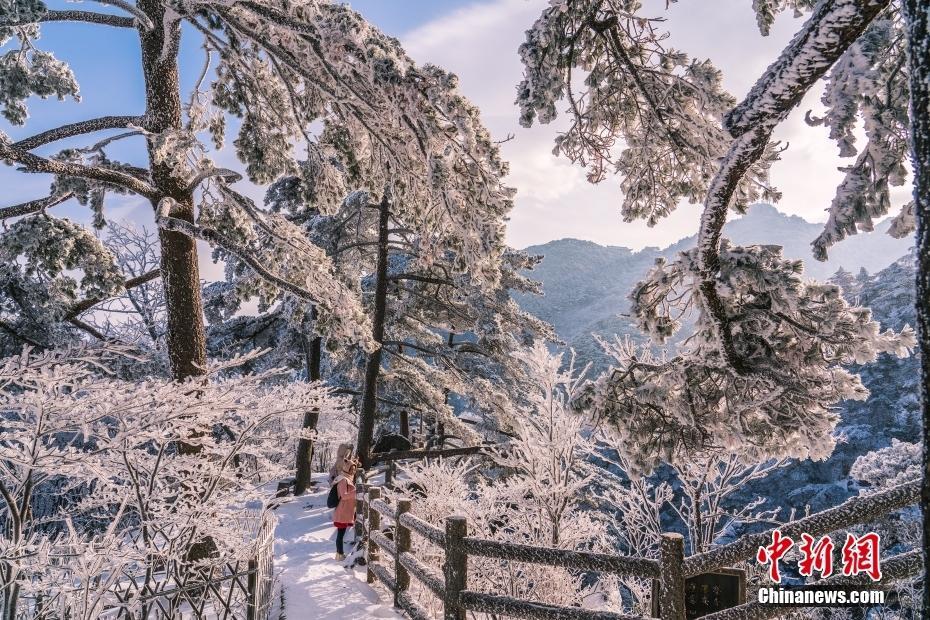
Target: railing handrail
{"x": 568, "y": 558}
{"x": 854, "y": 511}
{"x": 671, "y": 570}
{"x": 549, "y": 556}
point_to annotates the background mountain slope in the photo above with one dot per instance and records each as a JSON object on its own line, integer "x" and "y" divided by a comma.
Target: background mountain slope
{"x": 586, "y": 285}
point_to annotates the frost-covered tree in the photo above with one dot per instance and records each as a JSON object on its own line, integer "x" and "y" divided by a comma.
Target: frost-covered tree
{"x": 766, "y": 358}
{"x": 917, "y": 27}
{"x": 129, "y": 502}
{"x": 537, "y": 494}
{"x": 280, "y": 69}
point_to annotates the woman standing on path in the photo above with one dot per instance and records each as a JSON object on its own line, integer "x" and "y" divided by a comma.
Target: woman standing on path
{"x": 344, "y": 513}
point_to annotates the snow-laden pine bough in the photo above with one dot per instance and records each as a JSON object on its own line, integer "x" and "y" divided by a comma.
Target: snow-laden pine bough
{"x": 387, "y": 125}
{"x": 766, "y": 360}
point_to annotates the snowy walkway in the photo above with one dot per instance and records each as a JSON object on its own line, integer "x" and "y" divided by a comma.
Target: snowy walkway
{"x": 315, "y": 585}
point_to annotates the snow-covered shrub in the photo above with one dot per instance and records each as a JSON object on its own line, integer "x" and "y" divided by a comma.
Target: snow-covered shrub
{"x": 168, "y": 472}
{"x": 536, "y": 495}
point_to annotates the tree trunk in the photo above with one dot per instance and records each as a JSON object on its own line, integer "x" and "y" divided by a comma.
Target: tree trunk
{"x": 366, "y": 423}
{"x": 312, "y": 354}
{"x": 917, "y": 23}
{"x": 405, "y": 423}
{"x": 186, "y": 337}
{"x": 180, "y": 273}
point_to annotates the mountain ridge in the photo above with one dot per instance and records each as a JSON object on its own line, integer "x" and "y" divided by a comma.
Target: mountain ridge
{"x": 585, "y": 284}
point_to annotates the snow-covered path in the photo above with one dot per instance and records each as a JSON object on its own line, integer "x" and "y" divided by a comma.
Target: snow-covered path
{"x": 315, "y": 585}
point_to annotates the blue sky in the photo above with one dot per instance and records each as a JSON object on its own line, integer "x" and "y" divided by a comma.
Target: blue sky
{"x": 478, "y": 40}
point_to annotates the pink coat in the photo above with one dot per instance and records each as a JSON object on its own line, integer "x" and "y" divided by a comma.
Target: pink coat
{"x": 344, "y": 513}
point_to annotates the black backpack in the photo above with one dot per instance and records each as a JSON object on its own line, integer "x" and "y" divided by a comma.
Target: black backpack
{"x": 332, "y": 500}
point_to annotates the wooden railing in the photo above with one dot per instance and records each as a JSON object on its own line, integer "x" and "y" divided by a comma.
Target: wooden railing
{"x": 671, "y": 570}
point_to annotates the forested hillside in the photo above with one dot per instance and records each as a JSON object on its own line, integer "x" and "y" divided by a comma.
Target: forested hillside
{"x": 586, "y": 285}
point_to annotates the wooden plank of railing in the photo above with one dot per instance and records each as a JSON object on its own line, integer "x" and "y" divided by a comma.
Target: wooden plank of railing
{"x": 551, "y": 556}
{"x": 455, "y": 568}
{"x": 381, "y": 572}
{"x": 671, "y": 578}
{"x": 382, "y": 507}
{"x": 424, "y": 574}
{"x": 384, "y": 542}
{"x": 413, "y": 609}
{"x": 855, "y": 511}
{"x": 894, "y": 569}
{"x": 517, "y": 608}
{"x": 426, "y": 530}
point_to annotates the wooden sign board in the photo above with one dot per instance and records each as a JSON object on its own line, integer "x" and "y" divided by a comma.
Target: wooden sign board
{"x": 709, "y": 592}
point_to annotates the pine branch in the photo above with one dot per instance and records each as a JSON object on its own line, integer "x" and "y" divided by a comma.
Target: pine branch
{"x": 86, "y": 304}
{"x": 166, "y": 222}
{"x": 832, "y": 28}
{"x": 34, "y": 206}
{"x": 76, "y": 129}
{"x": 90, "y": 329}
{"x": 89, "y": 17}
{"x": 35, "y": 163}
{"x": 419, "y": 278}
{"x": 12, "y": 331}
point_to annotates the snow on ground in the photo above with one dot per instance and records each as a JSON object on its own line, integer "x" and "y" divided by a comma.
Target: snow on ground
{"x": 316, "y": 586}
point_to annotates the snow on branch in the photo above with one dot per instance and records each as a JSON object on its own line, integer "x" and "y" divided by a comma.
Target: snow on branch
{"x": 35, "y": 163}
{"x": 34, "y": 206}
{"x": 797, "y": 336}
{"x": 629, "y": 93}
{"x": 90, "y": 17}
{"x": 304, "y": 268}
{"x": 129, "y": 283}
{"x": 76, "y": 129}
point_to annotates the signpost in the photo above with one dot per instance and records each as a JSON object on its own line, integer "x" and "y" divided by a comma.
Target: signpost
{"x": 709, "y": 592}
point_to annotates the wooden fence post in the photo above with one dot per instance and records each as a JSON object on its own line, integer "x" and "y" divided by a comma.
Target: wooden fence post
{"x": 402, "y": 544}
{"x": 251, "y": 595}
{"x": 374, "y": 525}
{"x": 361, "y": 512}
{"x": 455, "y": 568}
{"x": 671, "y": 578}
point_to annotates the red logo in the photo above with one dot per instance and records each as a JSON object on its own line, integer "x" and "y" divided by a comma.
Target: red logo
{"x": 774, "y": 552}
{"x": 860, "y": 554}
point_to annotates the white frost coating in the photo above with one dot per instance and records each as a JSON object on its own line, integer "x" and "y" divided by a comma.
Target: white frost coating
{"x": 765, "y": 364}
{"x": 70, "y": 426}
{"x": 798, "y": 335}
{"x": 868, "y": 88}
{"x": 627, "y": 92}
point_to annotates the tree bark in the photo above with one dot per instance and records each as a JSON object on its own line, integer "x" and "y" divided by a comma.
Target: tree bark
{"x": 312, "y": 354}
{"x": 405, "y": 423}
{"x": 186, "y": 337}
{"x": 917, "y": 23}
{"x": 366, "y": 423}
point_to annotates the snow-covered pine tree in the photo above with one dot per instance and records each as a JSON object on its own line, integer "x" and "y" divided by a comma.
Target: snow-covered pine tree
{"x": 766, "y": 358}
{"x": 279, "y": 69}
{"x": 448, "y": 333}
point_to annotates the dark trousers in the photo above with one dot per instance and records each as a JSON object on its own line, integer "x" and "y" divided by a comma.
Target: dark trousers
{"x": 340, "y": 537}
